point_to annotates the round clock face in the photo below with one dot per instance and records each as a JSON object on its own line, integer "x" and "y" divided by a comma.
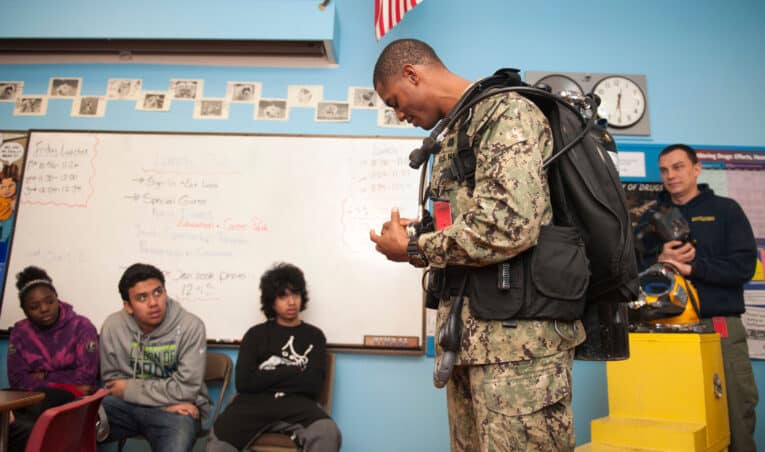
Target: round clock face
{"x": 622, "y": 102}
{"x": 560, "y": 83}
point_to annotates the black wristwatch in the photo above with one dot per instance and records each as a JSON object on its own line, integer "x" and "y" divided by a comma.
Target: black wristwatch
{"x": 416, "y": 257}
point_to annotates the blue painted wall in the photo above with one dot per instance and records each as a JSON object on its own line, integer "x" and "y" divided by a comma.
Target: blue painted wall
{"x": 702, "y": 59}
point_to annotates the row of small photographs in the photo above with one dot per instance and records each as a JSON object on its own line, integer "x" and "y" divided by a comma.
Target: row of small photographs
{"x": 298, "y": 96}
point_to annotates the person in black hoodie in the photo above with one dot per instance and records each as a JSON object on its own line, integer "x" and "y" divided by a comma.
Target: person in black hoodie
{"x": 719, "y": 259}
{"x": 280, "y": 372}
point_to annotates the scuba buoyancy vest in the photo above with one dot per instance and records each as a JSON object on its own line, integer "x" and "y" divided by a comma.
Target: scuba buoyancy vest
{"x": 586, "y": 195}
{"x": 585, "y": 190}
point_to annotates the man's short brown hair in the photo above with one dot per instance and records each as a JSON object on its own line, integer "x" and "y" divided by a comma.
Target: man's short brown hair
{"x": 681, "y": 147}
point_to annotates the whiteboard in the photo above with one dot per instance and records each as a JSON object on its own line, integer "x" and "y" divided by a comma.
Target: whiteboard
{"x": 214, "y": 212}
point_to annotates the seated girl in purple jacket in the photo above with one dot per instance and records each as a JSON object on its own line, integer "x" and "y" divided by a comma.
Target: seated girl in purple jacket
{"x": 53, "y": 350}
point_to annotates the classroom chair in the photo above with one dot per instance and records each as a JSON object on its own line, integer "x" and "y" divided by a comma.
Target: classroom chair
{"x": 71, "y": 426}
{"x": 217, "y": 371}
{"x": 279, "y": 442}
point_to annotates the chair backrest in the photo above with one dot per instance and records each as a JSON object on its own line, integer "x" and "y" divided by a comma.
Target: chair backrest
{"x": 71, "y": 426}
{"x": 325, "y": 397}
{"x": 218, "y": 370}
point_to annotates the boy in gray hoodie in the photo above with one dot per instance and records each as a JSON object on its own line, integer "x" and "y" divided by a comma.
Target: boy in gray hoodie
{"x": 153, "y": 357}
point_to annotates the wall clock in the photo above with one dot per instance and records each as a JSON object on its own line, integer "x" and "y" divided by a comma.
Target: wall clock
{"x": 622, "y": 102}
{"x": 559, "y": 83}
{"x": 633, "y": 105}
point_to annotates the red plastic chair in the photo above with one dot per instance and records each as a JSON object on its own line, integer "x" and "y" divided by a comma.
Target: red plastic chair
{"x": 71, "y": 426}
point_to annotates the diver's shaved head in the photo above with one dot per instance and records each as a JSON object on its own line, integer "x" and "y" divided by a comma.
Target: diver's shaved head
{"x": 399, "y": 53}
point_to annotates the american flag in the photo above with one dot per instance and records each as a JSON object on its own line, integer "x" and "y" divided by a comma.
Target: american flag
{"x": 390, "y": 12}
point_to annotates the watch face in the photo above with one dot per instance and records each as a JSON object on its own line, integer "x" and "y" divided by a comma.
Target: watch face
{"x": 560, "y": 83}
{"x": 622, "y": 102}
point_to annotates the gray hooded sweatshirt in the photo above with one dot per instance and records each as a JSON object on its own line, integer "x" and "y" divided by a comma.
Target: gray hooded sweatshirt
{"x": 164, "y": 367}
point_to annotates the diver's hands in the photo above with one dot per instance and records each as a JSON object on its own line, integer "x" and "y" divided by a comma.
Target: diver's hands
{"x": 677, "y": 251}
{"x": 393, "y": 239}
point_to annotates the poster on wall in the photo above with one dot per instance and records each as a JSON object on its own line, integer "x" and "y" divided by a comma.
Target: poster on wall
{"x": 738, "y": 175}
{"x": 641, "y": 196}
{"x": 754, "y": 297}
{"x": 12, "y": 147}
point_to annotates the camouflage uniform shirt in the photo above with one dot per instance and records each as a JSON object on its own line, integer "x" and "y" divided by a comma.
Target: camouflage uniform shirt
{"x": 500, "y": 219}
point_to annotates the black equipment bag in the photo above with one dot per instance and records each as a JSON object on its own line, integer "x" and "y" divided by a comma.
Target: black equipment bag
{"x": 585, "y": 189}
{"x": 585, "y": 193}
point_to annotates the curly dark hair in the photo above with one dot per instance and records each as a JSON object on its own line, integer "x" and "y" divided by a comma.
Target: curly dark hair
{"x": 276, "y": 281}
{"x": 399, "y": 53}
{"x": 35, "y": 275}
{"x": 135, "y": 274}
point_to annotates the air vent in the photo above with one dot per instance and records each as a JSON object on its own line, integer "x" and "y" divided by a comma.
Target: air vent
{"x": 168, "y": 51}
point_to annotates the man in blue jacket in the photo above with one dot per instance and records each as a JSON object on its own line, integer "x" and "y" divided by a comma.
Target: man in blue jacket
{"x": 719, "y": 259}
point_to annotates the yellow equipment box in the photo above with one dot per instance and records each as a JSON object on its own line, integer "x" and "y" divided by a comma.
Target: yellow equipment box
{"x": 669, "y": 396}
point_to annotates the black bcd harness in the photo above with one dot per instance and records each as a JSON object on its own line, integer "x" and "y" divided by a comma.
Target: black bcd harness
{"x": 589, "y": 212}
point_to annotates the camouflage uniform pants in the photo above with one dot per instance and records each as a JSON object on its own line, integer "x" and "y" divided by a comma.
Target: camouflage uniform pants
{"x": 513, "y": 406}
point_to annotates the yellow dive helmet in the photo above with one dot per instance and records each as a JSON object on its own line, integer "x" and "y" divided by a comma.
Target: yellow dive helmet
{"x": 666, "y": 298}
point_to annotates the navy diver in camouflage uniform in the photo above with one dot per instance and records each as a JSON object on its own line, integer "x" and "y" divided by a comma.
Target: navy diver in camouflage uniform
{"x": 510, "y": 388}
